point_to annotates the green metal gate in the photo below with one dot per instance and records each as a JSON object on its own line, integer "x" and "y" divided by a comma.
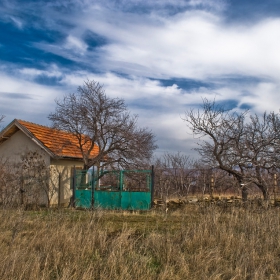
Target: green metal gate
{"x": 82, "y": 189}
{"x": 123, "y": 189}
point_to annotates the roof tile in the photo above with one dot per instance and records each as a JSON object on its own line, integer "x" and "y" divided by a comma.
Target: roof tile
{"x": 60, "y": 143}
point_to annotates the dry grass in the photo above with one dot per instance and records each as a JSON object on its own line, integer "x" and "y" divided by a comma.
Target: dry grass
{"x": 195, "y": 242}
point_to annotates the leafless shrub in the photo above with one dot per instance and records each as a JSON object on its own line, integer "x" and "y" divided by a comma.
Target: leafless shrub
{"x": 36, "y": 179}
{"x": 174, "y": 175}
{"x": 28, "y": 182}
{"x": 9, "y": 184}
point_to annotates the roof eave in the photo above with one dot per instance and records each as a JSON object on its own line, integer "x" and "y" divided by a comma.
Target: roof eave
{"x": 69, "y": 158}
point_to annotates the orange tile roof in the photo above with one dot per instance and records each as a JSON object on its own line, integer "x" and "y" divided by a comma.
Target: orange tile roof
{"x": 60, "y": 143}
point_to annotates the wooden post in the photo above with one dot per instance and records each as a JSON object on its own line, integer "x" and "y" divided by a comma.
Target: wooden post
{"x": 152, "y": 186}
{"x": 244, "y": 191}
{"x": 93, "y": 186}
{"x": 22, "y": 191}
{"x": 59, "y": 190}
{"x": 74, "y": 188}
{"x": 212, "y": 186}
{"x": 121, "y": 180}
{"x": 275, "y": 187}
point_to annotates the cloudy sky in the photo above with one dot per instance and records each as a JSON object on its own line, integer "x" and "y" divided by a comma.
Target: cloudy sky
{"x": 161, "y": 56}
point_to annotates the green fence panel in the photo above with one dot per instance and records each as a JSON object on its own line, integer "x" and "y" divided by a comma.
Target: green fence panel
{"x": 116, "y": 195}
{"x": 135, "y": 200}
{"x": 83, "y": 198}
{"x": 107, "y": 199}
{"x": 83, "y": 189}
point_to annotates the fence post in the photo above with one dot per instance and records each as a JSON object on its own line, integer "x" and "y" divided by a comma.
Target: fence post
{"x": 274, "y": 187}
{"x": 59, "y": 190}
{"x": 74, "y": 188}
{"x": 22, "y": 191}
{"x": 152, "y": 186}
{"x": 121, "y": 180}
{"x": 93, "y": 186}
{"x": 212, "y": 186}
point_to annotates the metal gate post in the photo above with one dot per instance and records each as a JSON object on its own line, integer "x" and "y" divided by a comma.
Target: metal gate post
{"x": 152, "y": 186}
{"x": 121, "y": 180}
{"x": 93, "y": 186}
{"x": 74, "y": 188}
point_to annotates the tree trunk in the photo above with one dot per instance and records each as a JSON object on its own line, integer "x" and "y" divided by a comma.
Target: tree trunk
{"x": 244, "y": 190}
{"x": 264, "y": 192}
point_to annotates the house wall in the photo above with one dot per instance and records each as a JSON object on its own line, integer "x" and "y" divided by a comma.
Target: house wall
{"x": 60, "y": 182}
{"x": 60, "y": 170}
{"x": 31, "y": 182}
{"x": 17, "y": 145}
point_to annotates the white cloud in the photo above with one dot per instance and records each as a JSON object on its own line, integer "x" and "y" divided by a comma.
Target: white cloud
{"x": 25, "y": 99}
{"x": 159, "y": 108}
{"x": 75, "y": 44}
{"x": 216, "y": 4}
{"x": 193, "y": 44}
{"x": 267, "y": 97}
{"x": 31, "y": 73}
{"x": 190, "y": 44}
{"x": 17, "y": 22}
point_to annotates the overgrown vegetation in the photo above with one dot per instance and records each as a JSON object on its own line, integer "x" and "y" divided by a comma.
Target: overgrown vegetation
{"x": 201, "y": 241}
{"x": 178, "y": 175}
{"x": 28, "y": 182}
{"x": 245, "y": 146}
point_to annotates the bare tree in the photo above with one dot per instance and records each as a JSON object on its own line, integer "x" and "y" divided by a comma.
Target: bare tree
{"x": 245, "y": 147}
{"x": 224, "y": 130}
{"x": 97, "y": 120}
{"x": 261, "y": 149}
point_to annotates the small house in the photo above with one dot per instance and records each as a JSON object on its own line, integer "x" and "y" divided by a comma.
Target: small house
{"x": 46, "y": 156}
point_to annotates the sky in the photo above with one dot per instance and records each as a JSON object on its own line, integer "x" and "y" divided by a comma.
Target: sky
{"x": 162, "y": 57}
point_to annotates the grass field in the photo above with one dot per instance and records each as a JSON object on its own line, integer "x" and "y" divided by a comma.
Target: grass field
{"x": 194, "y": 242}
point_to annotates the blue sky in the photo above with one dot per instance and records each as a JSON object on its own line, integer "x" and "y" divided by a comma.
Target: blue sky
{"x": 161, "y": 56}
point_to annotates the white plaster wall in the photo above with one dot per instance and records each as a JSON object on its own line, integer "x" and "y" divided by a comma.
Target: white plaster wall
{"x": 62, "y": 167}
{"x": 17, "y": 145}
{"x": 12, "y": 150}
